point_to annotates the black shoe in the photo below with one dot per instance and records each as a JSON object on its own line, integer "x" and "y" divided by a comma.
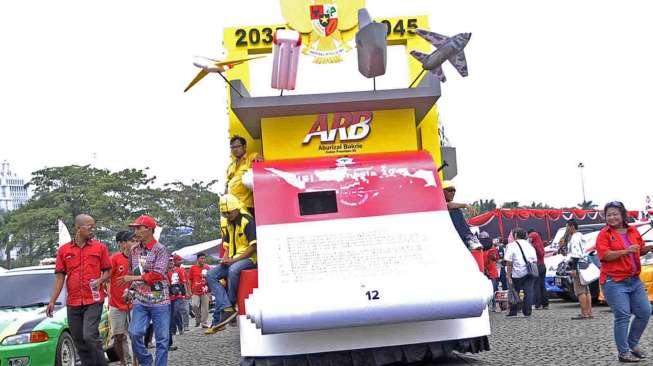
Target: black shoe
{"x": 172, "y": 348}
{"x": 511, "y": 314}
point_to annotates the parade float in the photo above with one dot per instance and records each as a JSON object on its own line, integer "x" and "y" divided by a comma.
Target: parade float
{"x": 358, "y": 260}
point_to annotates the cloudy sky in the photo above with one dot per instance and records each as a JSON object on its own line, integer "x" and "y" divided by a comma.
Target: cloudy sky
{"x": 552, "y": 83}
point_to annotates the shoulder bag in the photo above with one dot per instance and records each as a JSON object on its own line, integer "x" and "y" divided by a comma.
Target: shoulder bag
{"x": 530, "y": 266}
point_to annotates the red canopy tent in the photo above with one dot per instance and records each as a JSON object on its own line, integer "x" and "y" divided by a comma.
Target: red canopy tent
{"x": 500, "y": 222}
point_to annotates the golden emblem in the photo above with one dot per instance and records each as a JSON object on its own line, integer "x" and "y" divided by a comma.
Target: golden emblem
{"x": 323, "y": 21}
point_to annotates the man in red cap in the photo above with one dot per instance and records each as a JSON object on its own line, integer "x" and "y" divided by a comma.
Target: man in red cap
{"x": 148, "y": 261}
{"x": 84, "y": 265}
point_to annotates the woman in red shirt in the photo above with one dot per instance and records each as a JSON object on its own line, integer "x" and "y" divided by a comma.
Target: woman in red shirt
{"x": 619, "y": 247}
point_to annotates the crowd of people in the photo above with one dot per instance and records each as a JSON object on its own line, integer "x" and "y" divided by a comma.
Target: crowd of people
{"x": 517, "y": 266}
{"x": 147, "y": 288}
{"x": 149, "y": 291}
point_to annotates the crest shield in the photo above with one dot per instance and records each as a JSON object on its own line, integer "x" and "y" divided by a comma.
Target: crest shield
{"x": 324, "y": 19}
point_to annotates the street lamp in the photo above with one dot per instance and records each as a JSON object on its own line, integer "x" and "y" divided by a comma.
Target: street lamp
{"x": 582, "y": 180}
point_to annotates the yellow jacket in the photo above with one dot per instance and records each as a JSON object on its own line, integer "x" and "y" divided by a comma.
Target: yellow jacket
{"x": 235, "y": 184}
{"x": 240, "y": 236}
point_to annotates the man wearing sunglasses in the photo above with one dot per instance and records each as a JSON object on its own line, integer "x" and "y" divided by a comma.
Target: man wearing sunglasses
{"x": 241, "y": 162}
{"x": 240, "y": 254}
{"x": 84, "y": 265}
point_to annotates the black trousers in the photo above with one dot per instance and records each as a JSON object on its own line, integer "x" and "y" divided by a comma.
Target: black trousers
{"x": 84, "y": 322}
{"x": 541, "y": 296}
{"x": 526, "y": 284}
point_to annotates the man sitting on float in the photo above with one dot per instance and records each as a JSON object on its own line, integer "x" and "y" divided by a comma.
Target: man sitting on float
{"x": 458, "y": 218}
{"x": 239, "y": 254}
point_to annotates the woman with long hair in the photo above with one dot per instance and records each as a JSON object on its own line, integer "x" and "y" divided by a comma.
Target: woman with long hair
{"x": 619, "y": 247}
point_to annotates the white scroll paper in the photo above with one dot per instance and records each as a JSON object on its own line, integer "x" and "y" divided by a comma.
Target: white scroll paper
{"x": 370, "y": 271}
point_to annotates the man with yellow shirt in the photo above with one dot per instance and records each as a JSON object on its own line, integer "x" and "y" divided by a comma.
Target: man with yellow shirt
{"x": 241, "y": 162}
{"x": 239, "y": 244}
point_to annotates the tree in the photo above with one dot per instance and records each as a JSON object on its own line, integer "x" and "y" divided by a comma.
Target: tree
{"x": 510, "y": 204}
{"x": 192, "y": 207}
{"x": 483, "y": 206}
{"x": 588, "y": 205}
{"x": 539, "y": 206}
{"x": 4, "y": 237}
{"x": 114, "y": 199}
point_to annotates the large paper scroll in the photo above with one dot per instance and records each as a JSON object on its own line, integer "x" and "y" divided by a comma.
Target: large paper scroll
{"x": 364, "y": 271}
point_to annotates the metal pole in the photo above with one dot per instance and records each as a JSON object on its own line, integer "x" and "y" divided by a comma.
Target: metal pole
{"x": 420, "y": 74}
{"x": 582, "y": 180}
{"x": 231, "y": 86}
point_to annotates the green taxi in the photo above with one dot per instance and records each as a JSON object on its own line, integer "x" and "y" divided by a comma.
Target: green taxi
{"x": 27, "y": 336}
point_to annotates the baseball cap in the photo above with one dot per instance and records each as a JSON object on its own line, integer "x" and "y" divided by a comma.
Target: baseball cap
{"x": 144, "y": 220}
{"x": 447, "y": 184}
{"x": 229, "y": 202}
{"x": 177, "y": 258}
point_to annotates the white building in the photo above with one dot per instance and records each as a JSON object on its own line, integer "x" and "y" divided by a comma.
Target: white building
{"x": 12, "y": 189}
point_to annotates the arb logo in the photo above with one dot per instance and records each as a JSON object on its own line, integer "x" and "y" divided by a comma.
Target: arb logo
{"x": 347, "y": 126}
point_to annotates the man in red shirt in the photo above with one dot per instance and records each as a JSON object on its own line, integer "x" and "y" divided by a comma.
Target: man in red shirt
{"x": 200, "y": 291}
{"x": 541, "y": 296}
{"x": 148, "y": 264}
{"x": 83, "y": 264}
{"x": 118, "y": 308}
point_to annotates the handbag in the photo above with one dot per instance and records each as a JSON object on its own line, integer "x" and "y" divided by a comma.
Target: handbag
{"x": 588, "y": 272}
{"x": 513, "y": 297}
{"x": 530, "y": 266}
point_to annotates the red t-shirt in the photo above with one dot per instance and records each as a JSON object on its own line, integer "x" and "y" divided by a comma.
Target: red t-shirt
{"x": 81, "y": 266}
{"x": 198, "y": 284}
{"x": 119, "y": 268}
{"x": 490, "y": 257}
{"x": 177, "y": 280}
{"x": 620, "y": 268}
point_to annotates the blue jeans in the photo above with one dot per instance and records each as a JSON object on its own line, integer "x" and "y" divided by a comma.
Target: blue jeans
{"x": 141, "y": 316}
{"x": 626, "y": 298}
{"x": 224, "y": 299}
{"x": 502, "y": 278}
{"x": 495, "y": 288}
{"x": 524, "y": 283}
{"x": 176, "y": 321}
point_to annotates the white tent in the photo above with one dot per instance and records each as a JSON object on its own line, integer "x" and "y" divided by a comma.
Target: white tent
{"x": 210, "y": 248}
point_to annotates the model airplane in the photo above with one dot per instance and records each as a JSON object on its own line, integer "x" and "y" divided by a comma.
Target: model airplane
{"x": 447, "y": 48}
{"x": 209, "y": 65}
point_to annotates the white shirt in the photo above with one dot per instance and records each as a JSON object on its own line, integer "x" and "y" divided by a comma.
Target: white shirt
{"x": 513, "y": 254}
{"x": 576, "y": 246}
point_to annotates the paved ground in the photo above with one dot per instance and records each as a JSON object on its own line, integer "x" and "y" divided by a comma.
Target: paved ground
{"x": 549, "y": 337}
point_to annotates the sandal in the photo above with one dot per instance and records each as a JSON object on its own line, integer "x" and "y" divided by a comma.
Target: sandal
{"x": 628, "y": 357}
{"x": 580, "y": 317}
